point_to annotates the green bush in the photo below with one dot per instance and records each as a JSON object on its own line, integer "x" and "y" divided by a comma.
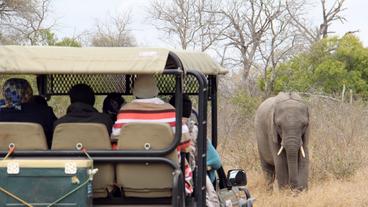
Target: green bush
{"x": 327, "y": 67}
{"x": 245, "y": 103}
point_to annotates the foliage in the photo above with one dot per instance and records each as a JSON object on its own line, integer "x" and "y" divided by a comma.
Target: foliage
{"x": 246, "y": 105}
{"x": 68, "y": 42}
{"x": 49, "y": 38}
{"x": 23, "y": 22}
{"x": 327, "y": 67}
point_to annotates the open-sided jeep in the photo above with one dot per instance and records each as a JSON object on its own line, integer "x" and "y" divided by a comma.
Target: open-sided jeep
{"x": 81, "y": 169}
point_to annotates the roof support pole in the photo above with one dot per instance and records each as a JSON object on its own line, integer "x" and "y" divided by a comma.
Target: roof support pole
{"x": 201, "y": 171}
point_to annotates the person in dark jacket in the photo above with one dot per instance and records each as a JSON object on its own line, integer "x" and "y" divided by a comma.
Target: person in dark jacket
{"x": 41, "y": 101}
{"x": 112, "y": 104}
{"x": 81, "y": 110}
{"x": 18, "y": 107}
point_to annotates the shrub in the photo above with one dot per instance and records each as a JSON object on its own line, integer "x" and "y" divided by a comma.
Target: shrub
{"x": 244, "y": 104}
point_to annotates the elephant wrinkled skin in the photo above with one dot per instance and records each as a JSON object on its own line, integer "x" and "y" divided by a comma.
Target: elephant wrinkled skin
{"x": 282, "y": 128}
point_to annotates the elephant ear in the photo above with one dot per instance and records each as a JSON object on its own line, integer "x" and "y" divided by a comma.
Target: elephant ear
{"x": 305, "y": 137}
{"x": 273, "y": 129}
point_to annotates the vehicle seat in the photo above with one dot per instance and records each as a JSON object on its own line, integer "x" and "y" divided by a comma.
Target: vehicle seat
{"x": 92, "y": 136}
{"x": 25, "y": 136}
{"x": 146, "y": 180}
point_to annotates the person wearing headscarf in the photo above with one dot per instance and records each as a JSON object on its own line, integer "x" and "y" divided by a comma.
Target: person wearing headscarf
{"x": 112, "y": 104}
{"x": 18, "y": 107}
{"x": 16, "y": 91}
{"x": 81, "y": 110}
{"x": 2, "y": 103}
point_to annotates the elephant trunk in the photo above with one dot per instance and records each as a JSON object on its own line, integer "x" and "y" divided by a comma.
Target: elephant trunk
{"x": 292, "y": 152}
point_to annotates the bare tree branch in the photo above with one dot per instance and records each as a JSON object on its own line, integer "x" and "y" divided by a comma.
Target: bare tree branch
{"x": 248, "y": 23}
{"x": 113, "y": 33}
{"x": 26, "y": 22}
{"x": 329, "y": 16}
{"x": 193, "y": 23}
{"x": 333, "y": 14}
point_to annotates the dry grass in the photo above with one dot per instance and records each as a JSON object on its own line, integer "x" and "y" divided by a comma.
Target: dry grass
{"x": 338, "y": 149}
{"x": 351, "y": 192}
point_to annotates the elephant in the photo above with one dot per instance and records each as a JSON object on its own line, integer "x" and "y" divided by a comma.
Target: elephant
{"x": 282, "y": 133}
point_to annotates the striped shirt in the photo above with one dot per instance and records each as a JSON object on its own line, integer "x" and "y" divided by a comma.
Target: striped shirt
{"x": 141, "y": 110}
{"x": 154, "y": 110}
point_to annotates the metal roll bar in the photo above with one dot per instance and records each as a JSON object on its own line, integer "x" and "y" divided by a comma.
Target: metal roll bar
{"x": 200, "y": 176}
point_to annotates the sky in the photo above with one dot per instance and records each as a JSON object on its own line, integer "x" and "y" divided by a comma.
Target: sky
{"x": 76, "y": 16}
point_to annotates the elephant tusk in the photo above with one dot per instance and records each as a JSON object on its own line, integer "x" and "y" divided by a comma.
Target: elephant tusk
{"x": 281, "y": 148}
{"x": 302, "y": 151}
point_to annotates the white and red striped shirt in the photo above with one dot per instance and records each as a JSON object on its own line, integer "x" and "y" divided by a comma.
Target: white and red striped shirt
{"x": 154, "y": 110}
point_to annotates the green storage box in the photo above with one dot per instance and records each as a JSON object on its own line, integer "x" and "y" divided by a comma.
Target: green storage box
{"x": 40, "y": 182}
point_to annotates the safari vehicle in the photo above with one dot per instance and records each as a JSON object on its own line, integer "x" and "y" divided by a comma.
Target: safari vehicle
{"x": 80, "y": 168}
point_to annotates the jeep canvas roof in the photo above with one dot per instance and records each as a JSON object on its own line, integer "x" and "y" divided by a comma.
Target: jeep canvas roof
{"x": 98, "y": 60}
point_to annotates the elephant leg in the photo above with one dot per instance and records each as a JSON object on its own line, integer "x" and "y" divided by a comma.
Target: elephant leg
{"x": 269, "y": 172}
{"x": 281, "y": 170}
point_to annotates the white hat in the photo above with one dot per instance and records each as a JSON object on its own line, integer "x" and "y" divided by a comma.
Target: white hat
{"x": 145, "y": 87}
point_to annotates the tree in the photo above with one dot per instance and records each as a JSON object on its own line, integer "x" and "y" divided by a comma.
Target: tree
{"x": 68, "y": 42}
{"x": 193, "y": 24}
{"x": 329, "y": 16}
{"x": 280, "y": 43}
{"x": 50, "y": 39}
{"x": 9, "y": 8}
{"x": 113, "y": 33}
{"x": 23, "y": 22}
{"x": 331, "y": 65}
{"x": 248, "y": 23}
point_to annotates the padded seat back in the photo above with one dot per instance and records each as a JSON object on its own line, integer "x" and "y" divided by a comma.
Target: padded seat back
{"x": 146, "y": 179}
{"x": 92, "y": 136}
{"x": 25, "y": 136}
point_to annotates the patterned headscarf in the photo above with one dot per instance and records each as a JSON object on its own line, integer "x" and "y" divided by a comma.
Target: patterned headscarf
{"x": 2, "y": 103}
{"x": 16, "y": 91}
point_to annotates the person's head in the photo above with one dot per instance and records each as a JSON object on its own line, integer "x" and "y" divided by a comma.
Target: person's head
{"x": 17, "y": 91}
{"x": 39, "y": 100}
{"x": 82, "y": 93}
{"x": 145, "y": 87}
{"x": 187, "y": 105}
{"x": 112, "y": 104}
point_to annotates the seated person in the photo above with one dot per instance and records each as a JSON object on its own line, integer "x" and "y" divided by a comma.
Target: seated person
{"x": 213, "y": 161}
{"x": 41, "y": 101}
{"x": 147, "y": 107}
{"x": 213, "y": 158}
{"x": 17, "y": 107}
{"x": 112, "y": 104}
{"x": 187, "y": 110}
{"x": 81, "y": 110}
{"x": 37, "y": 99}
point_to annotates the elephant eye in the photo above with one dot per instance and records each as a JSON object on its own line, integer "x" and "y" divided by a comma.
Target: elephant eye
{"x": 278, "y": 127}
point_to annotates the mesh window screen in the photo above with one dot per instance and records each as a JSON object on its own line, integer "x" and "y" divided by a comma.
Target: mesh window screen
{"x": 59, "y": 84}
